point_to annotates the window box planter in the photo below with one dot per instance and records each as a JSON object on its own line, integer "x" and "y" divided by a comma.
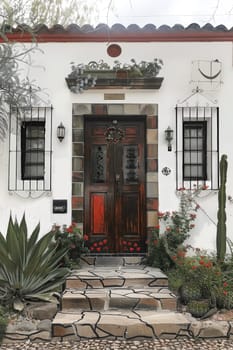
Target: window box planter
{"x": 101, "y": 76}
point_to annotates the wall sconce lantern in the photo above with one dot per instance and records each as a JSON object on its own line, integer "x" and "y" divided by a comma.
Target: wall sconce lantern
{"x": 60, "y": 132}
{"x": 169, "y": 137}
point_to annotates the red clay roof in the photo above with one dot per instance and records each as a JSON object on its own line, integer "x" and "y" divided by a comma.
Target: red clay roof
{"x": 132, "y": 33}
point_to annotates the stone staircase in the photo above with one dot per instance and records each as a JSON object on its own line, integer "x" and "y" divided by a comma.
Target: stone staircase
{"x": 117, "y": 297}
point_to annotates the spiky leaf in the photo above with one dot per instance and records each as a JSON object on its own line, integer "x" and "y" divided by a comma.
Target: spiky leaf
{"x": 29, "y": 267}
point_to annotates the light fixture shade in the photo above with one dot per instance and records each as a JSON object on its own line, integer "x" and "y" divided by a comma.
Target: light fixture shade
{"x": 60, "y": 132}
{"x": 169, "y": 134}
{"x": 169, "y": 137}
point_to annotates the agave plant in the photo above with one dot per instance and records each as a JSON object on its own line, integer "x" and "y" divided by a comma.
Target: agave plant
{"x": 28, "y": 267}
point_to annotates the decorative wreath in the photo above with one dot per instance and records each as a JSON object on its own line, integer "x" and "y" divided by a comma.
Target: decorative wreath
{"x": 114, "y": 134}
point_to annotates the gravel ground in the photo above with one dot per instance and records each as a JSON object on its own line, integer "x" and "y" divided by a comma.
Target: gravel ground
{"x": 164, "y": 344}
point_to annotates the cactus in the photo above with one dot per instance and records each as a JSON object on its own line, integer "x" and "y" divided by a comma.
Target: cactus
{"x": 221, "y": 225}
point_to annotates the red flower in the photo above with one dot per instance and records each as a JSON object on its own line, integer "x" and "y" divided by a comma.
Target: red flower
{"x": 129, "y": 244}
{"x": 95, "y": 244}
{"x": 101, "y": 244}
{"x": 98, "y": 249}
{"x": 160, "y": 214}
{"x": 69, "y": 229}
{"x": 85, "y": 237}
{"x": 225, "y": 292}
{"x": 157, "y": 227}
{"x": 181, "y": 253}
{"x": 135, "y": 244}
{"x": 131, "y": 249}
{"x": 92, "y": 248}
{"x": 225, "y": 284}
{"x": 124, "y": 243}
{"x": 194, "y": 267}
{"x": 202, "y": 262}
{"x": 138, "y": 249}
{"x": 105, "y": 241}
{"x": 209, "y": 264}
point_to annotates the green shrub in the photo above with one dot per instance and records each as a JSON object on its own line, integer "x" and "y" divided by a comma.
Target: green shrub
{"x": 28, "y": 266}
{"x": 167, "y": 239}
{"x": 71, "y": 239}
{"x": 201, "y": 277}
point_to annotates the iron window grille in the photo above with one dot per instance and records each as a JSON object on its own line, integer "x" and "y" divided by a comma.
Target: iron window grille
{"x": 197, "y": 147}
{"x": 30, "y": 149}
{"x": 194, "y": 150}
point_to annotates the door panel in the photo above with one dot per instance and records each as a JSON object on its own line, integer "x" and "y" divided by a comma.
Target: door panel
{"x": 98, "y": 217}
{"x": 115, "y": 184}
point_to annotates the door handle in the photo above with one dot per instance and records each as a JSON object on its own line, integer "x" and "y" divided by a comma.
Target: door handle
{"x": 117, "y": 177}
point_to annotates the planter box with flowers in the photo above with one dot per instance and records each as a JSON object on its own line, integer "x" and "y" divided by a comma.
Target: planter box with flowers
{"x": 100, "y": 75}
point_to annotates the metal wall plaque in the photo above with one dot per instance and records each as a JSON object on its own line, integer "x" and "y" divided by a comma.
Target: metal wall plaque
{"x": 166, "y": 171}
{"x": 114, "y": 96}
{"x": 59, "y": 206}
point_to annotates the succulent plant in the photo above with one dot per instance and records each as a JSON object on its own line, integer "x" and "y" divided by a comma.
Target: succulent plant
{"x": 221, "y": 225}
{"x": 28, "y": 267}
{"x": 198, "y": 308}
{"x": 189, "y": 292}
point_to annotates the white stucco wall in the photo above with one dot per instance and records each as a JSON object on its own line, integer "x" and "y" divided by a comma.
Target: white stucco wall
{"x": 177, "y": 58}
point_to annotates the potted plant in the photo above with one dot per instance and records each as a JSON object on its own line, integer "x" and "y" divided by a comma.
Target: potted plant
{"x": 198, "y": 308}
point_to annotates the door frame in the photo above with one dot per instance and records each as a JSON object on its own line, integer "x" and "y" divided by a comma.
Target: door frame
{"x": 150, "y": 111}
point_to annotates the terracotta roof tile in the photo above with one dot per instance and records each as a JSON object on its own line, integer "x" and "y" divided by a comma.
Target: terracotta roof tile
{"x": 118, "y": 32}
{"x": 117, "y": 27}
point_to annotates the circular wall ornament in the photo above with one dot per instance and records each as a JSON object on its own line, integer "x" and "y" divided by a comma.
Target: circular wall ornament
{"x": 166, "y": 171}
{"x": 114, "y": 50}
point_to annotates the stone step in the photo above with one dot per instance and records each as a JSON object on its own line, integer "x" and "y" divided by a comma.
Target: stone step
{"x": 112, "y": 277}
{"x": 105, "y": 299}
{"x": 87, "y": 260}
{"x": 119, "y": 324}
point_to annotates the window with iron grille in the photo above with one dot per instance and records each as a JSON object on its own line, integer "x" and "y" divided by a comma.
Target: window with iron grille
{"x": 30, "y": 149}
{"x": 197, "y": 147}
{"x": 194, "y": 153}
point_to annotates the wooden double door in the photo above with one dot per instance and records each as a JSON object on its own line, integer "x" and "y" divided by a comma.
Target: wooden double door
{"x": 115, "y": 184}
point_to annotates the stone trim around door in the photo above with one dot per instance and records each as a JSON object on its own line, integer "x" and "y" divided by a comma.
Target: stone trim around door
{"x": 151, "y": 113}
